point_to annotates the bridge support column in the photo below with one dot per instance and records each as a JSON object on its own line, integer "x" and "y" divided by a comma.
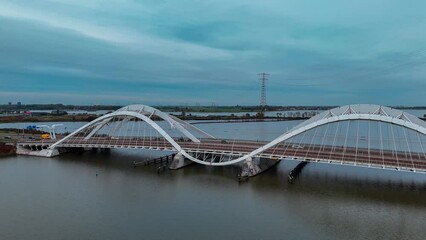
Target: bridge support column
{"x": 296, "y": 171}
{"x": 252, "y": 167}
{"x": 20, "y": 150}
{"x": 179, "y": 161}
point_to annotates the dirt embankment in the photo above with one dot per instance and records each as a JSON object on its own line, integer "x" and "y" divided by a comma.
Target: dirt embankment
{"x": 64, "y": 118}
{"x": 6, "y": 149}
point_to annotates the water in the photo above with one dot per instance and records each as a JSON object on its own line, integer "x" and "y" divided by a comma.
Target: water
{"x": 99, "y": 195}
{"x": 415, "y": 112}
{"x": 261, "y": 131}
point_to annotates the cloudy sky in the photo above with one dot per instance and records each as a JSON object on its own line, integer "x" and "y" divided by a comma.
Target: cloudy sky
{"x": 329, "y": 52}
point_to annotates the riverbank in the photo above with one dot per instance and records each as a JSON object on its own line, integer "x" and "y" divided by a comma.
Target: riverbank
{"x": 7, "y": 149}
{"x": 88, "y": 118}
{"x": 206, "y": 119}
{"x": 48, "y": 118}
{"x": 243, "y": 120}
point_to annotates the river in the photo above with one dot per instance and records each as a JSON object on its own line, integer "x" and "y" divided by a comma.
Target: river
{"x": 99, "y": 195}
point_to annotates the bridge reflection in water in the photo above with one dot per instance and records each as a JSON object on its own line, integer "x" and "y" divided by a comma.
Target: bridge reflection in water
{"x": 358, "y": 135}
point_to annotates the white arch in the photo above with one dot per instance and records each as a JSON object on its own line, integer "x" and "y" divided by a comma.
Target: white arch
{"x": 345, "y": 113}
{"x": 136, "y": 115}
{"x": 173, "y": 121}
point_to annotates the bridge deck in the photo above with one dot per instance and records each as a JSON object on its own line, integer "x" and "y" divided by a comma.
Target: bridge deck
{"x": 411, "y": 161}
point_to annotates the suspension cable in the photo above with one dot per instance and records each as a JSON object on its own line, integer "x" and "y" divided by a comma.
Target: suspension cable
{"x": 408, "y": 147}
{"x": 312, "y": 140}
{"x": 356, "y": 144}
{"x": 421, "y": 145}
{"x": 333, "y": 147}
{"x": 394, "y": 145}
{"x": 346, "y": 139}
{"x": 322, "y": 142}
{"x": 369, "y": 143}
{"x": 381, "y": 144}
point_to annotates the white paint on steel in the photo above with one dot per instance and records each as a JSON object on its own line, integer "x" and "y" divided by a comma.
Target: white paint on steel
{"x": 99, "y": 125}
{"x": 173, "y": 121}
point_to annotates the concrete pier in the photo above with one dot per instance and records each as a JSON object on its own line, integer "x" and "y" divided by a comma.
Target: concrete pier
{"x": 252, "y": 167}
{"x": 296, "y": 171}
{"x": 179, "y": 161}
{"x": 43, "y": 152}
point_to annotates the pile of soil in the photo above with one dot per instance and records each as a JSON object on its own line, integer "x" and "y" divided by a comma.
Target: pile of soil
{"x": 6, "y": 149}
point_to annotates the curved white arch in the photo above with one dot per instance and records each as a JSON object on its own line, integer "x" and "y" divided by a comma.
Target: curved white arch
{"x": 136, "y": 115}
{"x": 173, "y": 121}
{"x": 345, "y": 113}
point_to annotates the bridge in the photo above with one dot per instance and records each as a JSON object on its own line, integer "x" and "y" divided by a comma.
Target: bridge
{"x": 359, "y": 135}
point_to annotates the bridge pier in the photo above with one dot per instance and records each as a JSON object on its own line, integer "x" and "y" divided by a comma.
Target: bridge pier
{"x": 179, "y": 161}
{"x": 296, "y": 171}
{"x": 38, "y": 151}
{"x": 252, "y": 167}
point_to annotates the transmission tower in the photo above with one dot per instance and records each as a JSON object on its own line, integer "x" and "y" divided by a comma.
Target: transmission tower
{"x": 263, "y": 78}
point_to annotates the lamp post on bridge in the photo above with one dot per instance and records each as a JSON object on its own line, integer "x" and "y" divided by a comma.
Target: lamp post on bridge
{"x": 51, "y": 129}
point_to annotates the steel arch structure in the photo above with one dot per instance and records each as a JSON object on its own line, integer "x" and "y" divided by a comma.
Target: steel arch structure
{"x": 141, "y": 111}
{"x": 346, "y": 113}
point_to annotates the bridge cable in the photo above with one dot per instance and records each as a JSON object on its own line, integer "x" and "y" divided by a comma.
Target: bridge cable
{"x": 107, "y": 133}
{"x": 346, "y": 139}
{"x": 394, "y": 145}
{"x": 198, "y": 149}
{"x": 287, "y": 145}
{"x": 275, "y": 148}
{"x": 381, "y": 144}
{"x": 408, "y": 147}
{"x": 322, "y": 141}
{"x": 150, "y": 137}
{"x": 131, "y": 134}
{"x": 299, "y": 145}
{"x": 421, "y": 145}
{"x": 312, "y": 140}
{"x": 369, "y": 143}
{"x": 119, "y": 130}
{"x": 333, "y": 146}
{"x": 113, "y": 140}
{"x": 144, "y": 133}
{"x": 356, "y": 144}
{"x": 418, "y": 153}
{"x": 79, "y": 139}
{"x": 139, "y": 132}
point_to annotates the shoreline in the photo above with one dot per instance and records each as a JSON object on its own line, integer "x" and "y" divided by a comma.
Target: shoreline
{"x": 88, "y": 118}
{"x": 205, "y": 119}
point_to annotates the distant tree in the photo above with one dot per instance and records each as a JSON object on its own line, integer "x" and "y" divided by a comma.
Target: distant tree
{"x": 260, "y": 115}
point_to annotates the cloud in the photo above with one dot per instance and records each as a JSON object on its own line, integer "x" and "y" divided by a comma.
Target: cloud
{"x": 211, "y": 51}
{"x": 122, "y": 37}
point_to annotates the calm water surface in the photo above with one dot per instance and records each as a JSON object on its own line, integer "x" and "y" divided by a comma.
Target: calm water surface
{"x": 99, "y": 195}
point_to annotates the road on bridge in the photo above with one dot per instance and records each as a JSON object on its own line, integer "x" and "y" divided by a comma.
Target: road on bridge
{"x": 399, "y": 160}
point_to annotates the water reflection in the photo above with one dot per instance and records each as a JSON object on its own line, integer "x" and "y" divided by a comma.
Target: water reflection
{"x": 330, "y": 180}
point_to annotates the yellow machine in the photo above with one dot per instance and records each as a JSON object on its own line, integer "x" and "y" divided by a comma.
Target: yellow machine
{"x": 45, "y": 136}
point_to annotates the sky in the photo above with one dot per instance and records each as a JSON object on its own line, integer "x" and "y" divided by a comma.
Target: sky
{"x": 188, "y": 52}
